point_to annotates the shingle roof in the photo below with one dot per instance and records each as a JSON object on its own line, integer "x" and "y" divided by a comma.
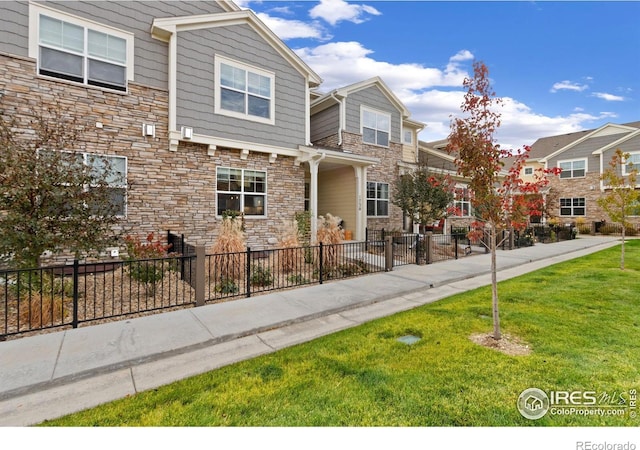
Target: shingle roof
{"x": 547, "y": 145}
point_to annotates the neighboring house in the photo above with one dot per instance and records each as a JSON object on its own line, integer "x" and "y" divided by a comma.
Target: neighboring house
{"x": 204, "y": 109}
{"x": 434, "y": 156}
{"x": 365, "y": 135}
{"x": 583, "y": 156}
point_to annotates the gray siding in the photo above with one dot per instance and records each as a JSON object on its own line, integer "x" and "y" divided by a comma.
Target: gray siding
{"x": 585, "y": 150}
{"x": 325, "y": 123}
{"x": 195, "y": 103}
{"x": 132, "y": 16}
{"x": 375, "y": 99}
{"x": 630, "y": 146}
{"x": 14, "y": 32}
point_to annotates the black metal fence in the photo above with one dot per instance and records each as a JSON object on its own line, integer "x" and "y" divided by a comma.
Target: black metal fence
{"x": 33, "y": 300}
{"x": 70, "y": 295}
{"x": 257, "y": 271}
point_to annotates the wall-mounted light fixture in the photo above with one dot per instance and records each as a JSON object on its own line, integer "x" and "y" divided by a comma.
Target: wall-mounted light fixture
{"x": 186, "y": 132}
{"x": 148, "y": 129}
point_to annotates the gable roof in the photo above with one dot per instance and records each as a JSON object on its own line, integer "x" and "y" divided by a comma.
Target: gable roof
{"x": 548, "y": 147}
{"x": 163, "y": 28}
{"x": 333, "y": 97}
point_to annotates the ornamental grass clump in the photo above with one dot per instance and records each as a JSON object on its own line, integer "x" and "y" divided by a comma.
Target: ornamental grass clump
{"x": 330, "y": 234}
{"x": 288, "y": 255}
{"x": 229, "y": 248}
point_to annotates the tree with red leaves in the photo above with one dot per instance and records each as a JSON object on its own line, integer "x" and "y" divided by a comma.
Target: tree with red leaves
{"x": 500, "y": 199}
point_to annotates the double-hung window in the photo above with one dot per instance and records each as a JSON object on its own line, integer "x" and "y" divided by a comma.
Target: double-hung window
{"x": 376, "y": 127}
{"x": 573, "y": 206}
{"x": 78, "y": 50}
{"x": 631, "y": 163}
{"x": 462, "y": 202}
{"x": 243, "y": 91}
{"x": 105, "y": 172}
{"x": 113, "y": 170}
{"x": 377, "y": 199}
{"x": 576, "y": 168}
{"x": 241, "y": 190}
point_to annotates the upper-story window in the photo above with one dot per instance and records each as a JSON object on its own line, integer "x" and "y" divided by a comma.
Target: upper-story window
{"x": 407, "y": 136}
{"x": 631, "y": 163}
{"x": 528, "y": 170}
{"x": 376, "y": 127}
{"x": 243, "y": 91}
{"x": 78, "y": 50}
{"x": 576, "y": 168}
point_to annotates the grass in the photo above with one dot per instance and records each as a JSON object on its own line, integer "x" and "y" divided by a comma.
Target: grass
{"x": 581, "y": 319}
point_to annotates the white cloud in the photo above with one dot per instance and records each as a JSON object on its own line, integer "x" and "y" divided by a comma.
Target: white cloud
{"x": 335, "y": 11}
{"x": 342, "y": 63}
{"x": 608, "y": 97}
{"x": 293, "y": 29}
{"x": 568, "y": 86}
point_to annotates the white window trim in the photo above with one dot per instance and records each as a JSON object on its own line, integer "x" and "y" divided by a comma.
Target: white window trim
{"x": 218, "y": 59}
{"x": 376, "y": 199}
{"x": 404, "y": 132}
{"x": 586, "y": 167}
{"x": 34, "y": 27}
{"x": 124, "y": 186}
{"x": 457, "y": 200}
{"x": 528, "y": 168}
{"x": 243, "y": 193}
{"x": 375, "y": 111}
{"x": 625, "y": 172}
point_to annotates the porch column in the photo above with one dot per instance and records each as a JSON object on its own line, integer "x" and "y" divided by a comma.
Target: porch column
{"x": 313, "y": 194}
{"x": 361, "y": 199}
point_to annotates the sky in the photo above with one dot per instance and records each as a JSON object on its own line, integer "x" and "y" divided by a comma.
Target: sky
{"x": 559, "y": 67}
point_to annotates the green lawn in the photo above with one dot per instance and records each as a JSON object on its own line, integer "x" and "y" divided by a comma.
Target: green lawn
{"x": 581, "y": 319}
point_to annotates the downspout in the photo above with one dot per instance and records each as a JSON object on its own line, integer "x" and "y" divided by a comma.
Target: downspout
{"x": 340, "y": 117}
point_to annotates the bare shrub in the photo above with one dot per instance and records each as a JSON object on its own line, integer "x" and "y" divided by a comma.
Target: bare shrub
{"x": 330, "y": 234}
{"x": 228, "y": 259}
{"x": 289, "y": 243}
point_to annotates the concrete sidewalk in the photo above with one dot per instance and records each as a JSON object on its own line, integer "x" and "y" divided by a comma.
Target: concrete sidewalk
{"x": 51, "y": 375}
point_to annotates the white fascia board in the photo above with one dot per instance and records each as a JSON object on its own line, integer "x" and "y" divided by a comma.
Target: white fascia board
{"x": 375, "y": 81}
{"x": 581, "y": 140}
{"x": 235, "y": 144}
{"x": 161, "y": 29}
{"x": 616, "y": 143}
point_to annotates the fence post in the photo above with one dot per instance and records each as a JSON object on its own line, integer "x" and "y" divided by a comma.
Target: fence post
{"x": 427, "y": 246}
{"x": 248, "y": 272}
{"x": 76, "y": 267}
{"x": 418, "y": 245}
{"x": 321, "y": 262}
{"x": 455, "y": 242}
{"x": 388, "y": 253}
{"x": 200, "y": 274}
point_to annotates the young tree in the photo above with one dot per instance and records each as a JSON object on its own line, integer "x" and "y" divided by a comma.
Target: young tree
{"x": 422, "y": 195}
{"x": 51, "y": 198}
{"x": 621, "y": 201}
{"x": 500, "y": 199}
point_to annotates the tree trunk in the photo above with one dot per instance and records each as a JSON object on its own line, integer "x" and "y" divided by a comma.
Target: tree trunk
{"x": 494, "y": 285}
{"x": 622, "y": 250}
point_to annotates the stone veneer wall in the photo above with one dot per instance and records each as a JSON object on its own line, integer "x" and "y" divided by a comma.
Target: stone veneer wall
{"x": 387, "y": 171}
{"x": 167, "y": 190}
{"x": 587, "y": 187}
